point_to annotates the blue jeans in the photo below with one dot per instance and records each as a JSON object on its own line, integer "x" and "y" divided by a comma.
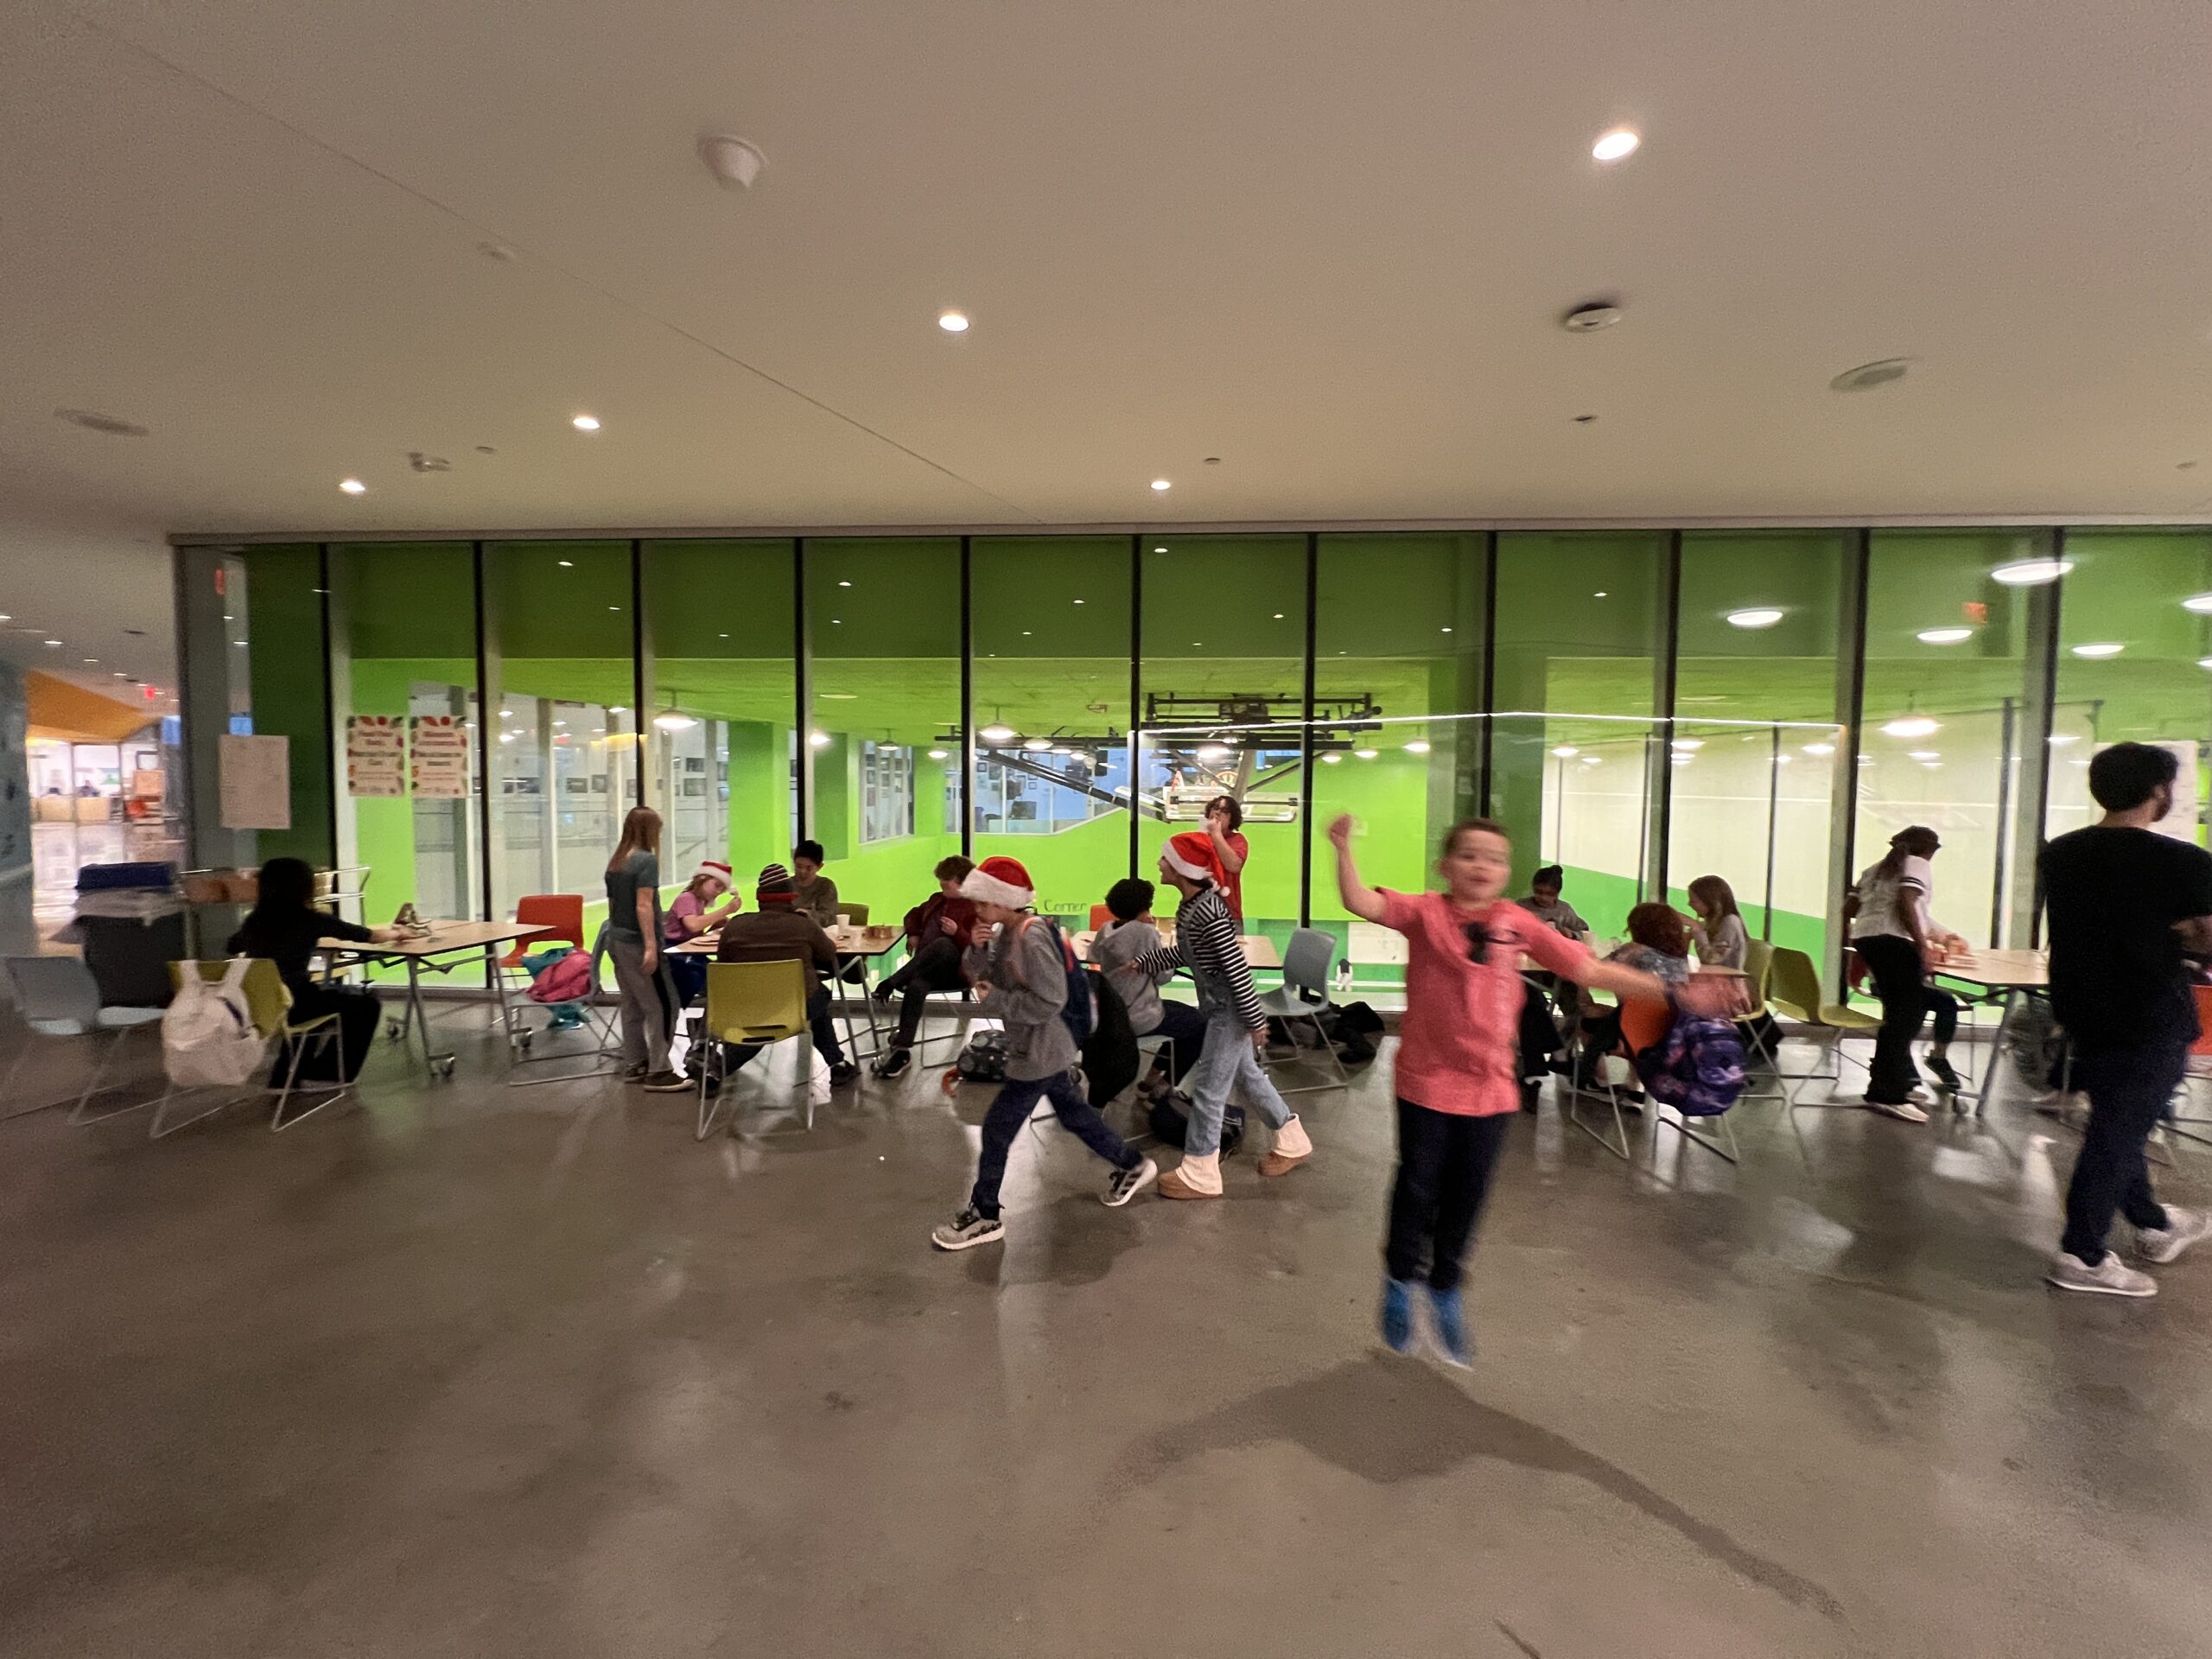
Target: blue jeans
{"x": 2129, "y": 1091}
{"x": 1017, "y": 1097}
{"x": 1226, "y": 1061}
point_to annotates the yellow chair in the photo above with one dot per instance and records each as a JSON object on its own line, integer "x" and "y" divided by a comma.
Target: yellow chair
{"x": 754, "y": 1002}
{"x": 1793, "y": 991}
{"x": 269, "y": 1005}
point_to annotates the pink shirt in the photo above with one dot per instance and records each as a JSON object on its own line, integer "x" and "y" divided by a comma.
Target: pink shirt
{"x": 1459, "y": 1044}
{"x": 685, "y": 903}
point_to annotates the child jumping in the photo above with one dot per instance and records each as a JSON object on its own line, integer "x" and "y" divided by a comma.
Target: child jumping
{"x": 1019, "y": 967}
{"x": 1458, "y": 1076}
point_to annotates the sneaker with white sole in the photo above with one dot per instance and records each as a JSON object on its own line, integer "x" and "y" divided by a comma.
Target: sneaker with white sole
{"x": 967, "y": 1229}
{"x": 2110, "y": 1277}
{"x": 1904, "y": 1111}
{"x": 2184, "y": 1227}
{"x": 1128, "y": 1182}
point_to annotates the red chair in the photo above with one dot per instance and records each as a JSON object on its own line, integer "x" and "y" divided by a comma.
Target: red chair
{"x": 1099, "y": 917}
{"x": 560, "y": 918}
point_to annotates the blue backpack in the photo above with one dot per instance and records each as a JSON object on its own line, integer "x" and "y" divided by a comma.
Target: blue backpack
{"x": 1698, "y": 1070}
{"x": 1079, "y": 1013}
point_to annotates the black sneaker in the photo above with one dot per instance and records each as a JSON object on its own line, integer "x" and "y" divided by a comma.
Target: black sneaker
{"x": 895, "y": 1064}
{"x": 635, "y": 1073}
{"x": 667, "y": 1083}
{"x": 885, "y": 990}
{"x": 1128, "y": 1182}
{"x": 968, "y": 1230}
{"x": 840, "y": 1074}
{"x": 1946, "y": 1073}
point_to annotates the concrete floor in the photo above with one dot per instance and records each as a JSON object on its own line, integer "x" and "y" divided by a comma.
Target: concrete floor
{"x": 485, "y": 1372}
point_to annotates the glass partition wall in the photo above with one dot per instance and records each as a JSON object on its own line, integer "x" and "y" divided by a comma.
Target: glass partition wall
{"x": 1639, "y": 707}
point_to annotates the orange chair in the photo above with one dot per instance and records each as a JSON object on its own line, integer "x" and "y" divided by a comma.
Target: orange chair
{"x": 560, "y": 917}
{"x": 1099, "y": 917}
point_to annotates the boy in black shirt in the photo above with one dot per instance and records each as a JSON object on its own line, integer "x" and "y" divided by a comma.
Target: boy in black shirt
{"x": 2125, "y": 905}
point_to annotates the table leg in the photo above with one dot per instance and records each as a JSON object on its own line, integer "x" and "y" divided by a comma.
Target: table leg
{"x": 500, "y": 989}
{"x": 438, "y": 1065}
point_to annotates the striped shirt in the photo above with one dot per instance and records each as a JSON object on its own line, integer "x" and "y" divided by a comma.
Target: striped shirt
{"x": 1208, "y": 944}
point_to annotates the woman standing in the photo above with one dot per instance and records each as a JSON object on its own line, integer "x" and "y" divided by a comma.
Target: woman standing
{"x": 285, "y": 927}
{"x": 633, "y": 928}
{"x": 1891, "y": 930}
{"x": 1224, "y": 828}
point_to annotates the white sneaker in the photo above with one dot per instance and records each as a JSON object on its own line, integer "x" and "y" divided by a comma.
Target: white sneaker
{"x": 2111, "y": 1276}
{"x": 2183, "y": 1229}
{"x": 1904, "y": 1111}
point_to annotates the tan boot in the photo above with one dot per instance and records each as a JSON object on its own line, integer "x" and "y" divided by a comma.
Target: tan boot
{"x": 1194, "y": 1178}
{"x": 1293, "y": 1147}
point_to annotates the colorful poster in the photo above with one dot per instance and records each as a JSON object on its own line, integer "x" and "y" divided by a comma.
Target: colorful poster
{"x": 376, "y": 756}
{"x": 253, "y": 779}
{"x": 440, "y": 747}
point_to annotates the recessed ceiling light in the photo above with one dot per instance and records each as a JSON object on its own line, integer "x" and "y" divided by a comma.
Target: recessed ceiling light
{"x": 1026, "y": 632}
{"x": 1367, "y": 754}
{"x": 1758, "y": 616}
{"x": 1943, "y": 636}
{"x": 2100, "y": 648}
{"x": 2030, "y": 573}
{"x": 1419, "y": 745}
{"x": 585, "y": 422}
{"x": 1819, "y": 748}
{"x": 1160, "y": 549}
{"x": 567, "y": 564}
{"x": 1616, "y": 145}
{"x": 615, "y": 608}
{"x": 5, "y": 617}
{"x": 2204, "y": 662}
{"x": 1589, "y": 318}
{"x": 352, "y": 486}
{"x": 818, "y": 739}
{"x": 1923, "y": 755}
{"x": 839, "y": 697}
{"x": 939, "y": 754}
{"x": 1912, "y": 726}
{"x": 1037, "y": 744}
{"x": 120, "y": 675}
{"x": 1566, "y": 750}
{"x": 1445, "y": 630}
{"x": 842, "y": 583}
{"x": 2059, "y": 739}
{"x": 89, "y": 661}
{"x": 1600, "y": 594}
{"x": 1278, "y": 616}
{"x": 953, "y": 322}
{"x": 722, "y": 635}
{"x": 2200, "y": 603}
{"x": 1592, "y": 760}
{"x": 56, "y": 642}
{"x": 1686, "y": 744}
{"x": 998, "y": 734}
{"x": 1333, "y": 759}
{"x": 1161, "y": 484}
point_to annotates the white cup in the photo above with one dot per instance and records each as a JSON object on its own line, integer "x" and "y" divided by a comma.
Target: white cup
{"x": 844, "y": 922}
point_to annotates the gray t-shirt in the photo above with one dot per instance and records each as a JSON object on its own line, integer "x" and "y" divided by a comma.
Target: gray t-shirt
{"x": 640, "y": 872}
{"x": 1116, "y": 947}
{"x": 1724, "y": 942}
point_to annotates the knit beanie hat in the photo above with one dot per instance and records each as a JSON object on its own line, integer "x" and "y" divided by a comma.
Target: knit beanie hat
{"x": 1000, "y": 881}
{"x": 1191, "y": 856}
{"x": 776, "y": 885}
{"x": 720, "y": 872}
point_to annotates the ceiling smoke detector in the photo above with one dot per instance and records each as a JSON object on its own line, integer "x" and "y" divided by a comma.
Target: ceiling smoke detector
{"x": 734, "y": 162}
{"x": 422, "y": 463}
{"x": 93, "y": 421}
{"x": 1867, "y": 376}
{"x": 1588, "y": 319}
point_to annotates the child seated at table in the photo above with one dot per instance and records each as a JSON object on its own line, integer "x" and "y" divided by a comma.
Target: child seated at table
{"x": 1658, "y": 945}
{"x": 689, "y": 916}
{"x": 937, "y": 938}
{"x": 1130, "y": 934}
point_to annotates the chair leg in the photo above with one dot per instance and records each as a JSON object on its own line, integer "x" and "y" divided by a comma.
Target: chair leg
{"x": 160, "y": 1125}
{"x": 1575, "y": 1095}
{"x": 1679, "y": 1124}
{"x": 93, "y": 1086}
{"x": 710, "y": 1105}
{"x": 330, "y": 1041}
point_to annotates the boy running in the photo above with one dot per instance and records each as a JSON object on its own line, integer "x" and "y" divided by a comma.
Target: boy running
{"x": 1019, "y": 967}
{"x": 1457, "y": 1079}
{"x": 1207, "y": 943}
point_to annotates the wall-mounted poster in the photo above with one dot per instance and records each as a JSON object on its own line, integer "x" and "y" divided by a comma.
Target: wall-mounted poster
{"x": 254, "y": 779}
{"x": 376, "y": 756}
{"x": 439, "y": 745}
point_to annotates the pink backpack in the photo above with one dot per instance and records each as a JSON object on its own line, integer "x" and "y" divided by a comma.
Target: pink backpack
{"x": 567, "y": 980}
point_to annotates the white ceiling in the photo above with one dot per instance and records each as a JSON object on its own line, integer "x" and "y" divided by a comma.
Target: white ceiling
{"x": 1325, "y": 241}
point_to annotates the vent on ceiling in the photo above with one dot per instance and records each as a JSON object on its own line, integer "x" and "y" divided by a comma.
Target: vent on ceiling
{"x": 1867, "y": 376}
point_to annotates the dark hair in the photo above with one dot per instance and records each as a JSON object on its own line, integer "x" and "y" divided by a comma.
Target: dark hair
{"x": 955, "y": 868}
{"x": 1130, "y": 898}
{"x": 1550, "y": 876}
{"x": 1716, "y": 892}
{"x": 1236, "y": 812}
{"x": 811, "y": 849}
{"x": 285, "y": 888}
{"x": 2128, "y": 775}
{"x": 1659, "y": 927}
{"x": 1470, "y": 826}
{"x": 1914, "y": 841}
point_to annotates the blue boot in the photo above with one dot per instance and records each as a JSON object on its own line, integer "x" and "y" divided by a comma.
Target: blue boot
{"x": 1451, "y": 1323}
{"x": 1398, "y": 1315}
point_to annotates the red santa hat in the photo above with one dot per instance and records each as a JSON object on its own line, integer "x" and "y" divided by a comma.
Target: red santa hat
{"x": 720, "y": 872}
{"x": 1191, "y": 856}
{"x": 1000, "y": 881}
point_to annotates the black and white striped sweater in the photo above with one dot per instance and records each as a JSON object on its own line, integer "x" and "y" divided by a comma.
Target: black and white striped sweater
{"x": 1207, "y": 943}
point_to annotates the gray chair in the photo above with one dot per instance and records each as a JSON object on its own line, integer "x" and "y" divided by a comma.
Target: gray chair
{"x": 58, "y": 997}
{"x": 1304, "y": 996}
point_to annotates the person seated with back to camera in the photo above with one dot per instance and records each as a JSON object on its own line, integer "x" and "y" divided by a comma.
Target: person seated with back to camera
{"x": 777, "y": 932}
{"x": 285, "y": 927}
{"x": 1658, "y": 945}
{"x": 1132, "y": 934}
{"x": 937, "y": 938}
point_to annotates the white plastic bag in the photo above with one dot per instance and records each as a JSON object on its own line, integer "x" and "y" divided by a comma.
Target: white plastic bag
{"x": 207, "y": 1036}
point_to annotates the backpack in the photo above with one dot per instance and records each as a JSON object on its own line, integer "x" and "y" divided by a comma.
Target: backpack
{"x": 1167, "y": 1120}
{"x": 1697, "y": 1069}
{"x": 1110, "y": 1058}
{"x": 566, "y": 979}
{"x": 207, "y": 1036}
{"x": 983, "y": 1061}
{"x": 1079, "y": 1013}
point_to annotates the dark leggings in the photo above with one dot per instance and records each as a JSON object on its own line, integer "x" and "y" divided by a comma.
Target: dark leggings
{"x": 1907, "y": 998}
{"x": 1445, "y": 1160}
{"x": 1184, "y": 1027}
{"x": 935, "y": 967}
{"x": 358, "y": 1014}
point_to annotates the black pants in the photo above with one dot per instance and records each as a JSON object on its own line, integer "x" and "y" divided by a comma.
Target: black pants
{"x": 1017, "y": 1097}
{"x": 1445, "y": 1160}
{"x": 935, "y": 967}
{"x": 1184, "y": 1027}
{"x": 2129, "y": 1089}
{"x": 1907, "y": 999}
{"x": 735, "y": 1055}
{"x": 358, "y": 1014}
{"x": 1540, "y": 1038}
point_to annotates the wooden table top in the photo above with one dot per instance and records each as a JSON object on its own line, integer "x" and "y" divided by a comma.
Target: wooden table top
{"x": 1999, "y": 970}
{"x": 1259, "y": 951}
{"x": 443, "y": 937}
{"x": 849, "y": 941}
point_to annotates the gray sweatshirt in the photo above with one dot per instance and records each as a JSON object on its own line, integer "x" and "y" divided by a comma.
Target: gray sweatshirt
{"x": 1116, "y": 949}
{"x": 1029, "y": 986}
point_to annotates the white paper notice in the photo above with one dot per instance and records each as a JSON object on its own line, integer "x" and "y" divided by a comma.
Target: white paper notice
{"x": 376, "y": 756}
{"x": 439, "y": 745}
{"x": 254, "y": 777}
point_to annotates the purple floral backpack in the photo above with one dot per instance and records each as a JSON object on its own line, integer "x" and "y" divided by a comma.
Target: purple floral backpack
{"x": 1698, "y": 1070}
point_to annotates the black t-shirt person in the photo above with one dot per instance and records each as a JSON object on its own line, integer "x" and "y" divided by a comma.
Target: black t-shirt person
{"x": 2118, "y": 978}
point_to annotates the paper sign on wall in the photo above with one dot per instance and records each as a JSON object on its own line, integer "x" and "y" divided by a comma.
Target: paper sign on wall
{"x": 439, "y": 744}
{"x": 254, "y": 779}
{"x": 376, "y": 756}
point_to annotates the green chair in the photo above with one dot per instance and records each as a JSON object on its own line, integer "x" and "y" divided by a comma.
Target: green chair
{"x": 1759, "y": 974}
{"x": 753, "y": 1002}
{"x": 1793, "y": 991}
{"x": 269, "y": 1005}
